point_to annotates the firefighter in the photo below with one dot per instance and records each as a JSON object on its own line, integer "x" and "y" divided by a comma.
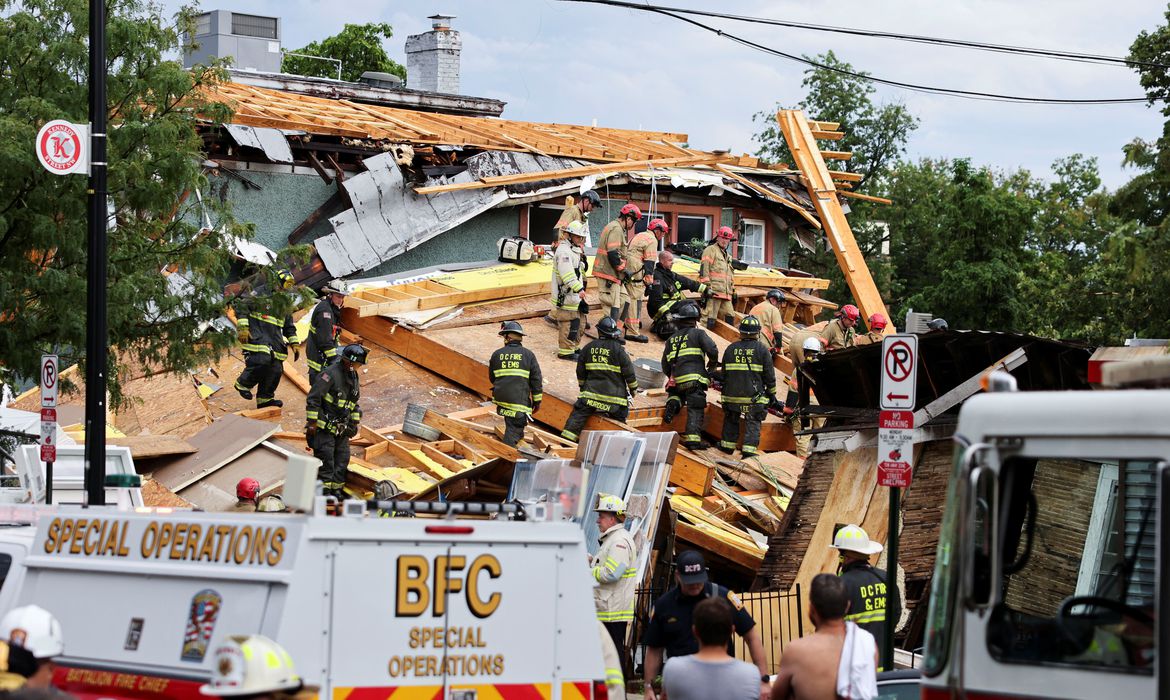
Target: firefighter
{"x": 666, "y": 293}
{"x": 614, "y": 568}
{"x": 253, "y": 667}
{"x": 324, "y": 325}
{"x": 33, "y": 638}
{"x": 247, "y": 491}
{"x": 568, "y": 291}
{"x": 333, "y": 416}
{"x": 771, "y": 316}
{"x": 841, "y": 332}
{"x": 516, "y": 382}
{"x": 609, "y": 267}
{"x": 804, "y": 347}
{"x": 577, "y": 212}
{"x": 877, "y": 324}
{"x": 865, "y": 585}
{"x": 272, "y": 503}
{"x": 265, "y": 341}
{"x": 606, "y": 377}
{"x": 749, "y": 388}
{"x": 716, "y": 272}
{"x": 641, "y": 252}
{"x": 682, "y": 362}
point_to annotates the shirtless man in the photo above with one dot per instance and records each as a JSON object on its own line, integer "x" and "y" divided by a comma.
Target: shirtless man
{"x": 808, "y": 669}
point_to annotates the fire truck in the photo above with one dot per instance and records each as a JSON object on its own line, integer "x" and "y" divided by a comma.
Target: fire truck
{"x": 1049, "y": 580}
{"x": 368, "y": 607}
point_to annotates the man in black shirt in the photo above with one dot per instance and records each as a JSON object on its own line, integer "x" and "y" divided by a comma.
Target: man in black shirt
{"x": 865, "y": 585}
{"x": 670, "y": 625}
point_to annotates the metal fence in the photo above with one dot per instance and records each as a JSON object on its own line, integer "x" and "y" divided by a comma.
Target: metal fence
{"x": 778, "y": 615}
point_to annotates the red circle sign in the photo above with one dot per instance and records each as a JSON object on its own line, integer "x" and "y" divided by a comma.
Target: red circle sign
{"x": 899, "y": 361}
{"x": 60, "y": 147}
{"x": 49, "y": 375}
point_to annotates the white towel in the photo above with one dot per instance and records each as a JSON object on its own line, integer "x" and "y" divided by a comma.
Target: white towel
{"x": 857, "y": 674}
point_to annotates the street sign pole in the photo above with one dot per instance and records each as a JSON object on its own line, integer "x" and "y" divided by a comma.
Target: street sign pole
{"x": 895, "y": 453}
{"x": 96, "y": 332}
{"x": 49, "y": 388}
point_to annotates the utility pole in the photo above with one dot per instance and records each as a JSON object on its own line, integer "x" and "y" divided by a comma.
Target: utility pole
{"x": 96, "y": 331}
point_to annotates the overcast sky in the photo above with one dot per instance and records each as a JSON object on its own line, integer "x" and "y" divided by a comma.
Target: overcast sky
{"x": 566, "y": 62}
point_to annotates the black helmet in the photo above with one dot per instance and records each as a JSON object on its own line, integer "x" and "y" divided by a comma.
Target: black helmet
{"x": 354, "y": 353}
{"x": 592, "y": 196}
{"x": 511, "y": 327}
{"x": 750, "y": 325}
{"x": 687, "y": 312}
{"x": 776, "y": 294}
{"x": 607, "y": 328}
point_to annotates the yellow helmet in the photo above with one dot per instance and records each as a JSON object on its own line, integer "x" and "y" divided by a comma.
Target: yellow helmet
{"x": 249, "y": 665}
{"x": 608, "y": 503}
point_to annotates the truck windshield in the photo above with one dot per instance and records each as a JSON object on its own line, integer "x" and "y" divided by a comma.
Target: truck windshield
{"x": 946, "y": 579}
{"x": 1079, "y": 564}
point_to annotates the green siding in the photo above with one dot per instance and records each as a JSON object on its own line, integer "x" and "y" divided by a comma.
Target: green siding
{"x": 468, "y": 242}
{"x": 282, "y": 203}
{"x": 781, "y": 245}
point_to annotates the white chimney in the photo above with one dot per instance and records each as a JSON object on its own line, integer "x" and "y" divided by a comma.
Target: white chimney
{"x": 432, "y": 58}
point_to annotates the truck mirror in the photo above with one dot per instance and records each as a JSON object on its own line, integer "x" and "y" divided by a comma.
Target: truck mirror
{"x": 982, "y": 570}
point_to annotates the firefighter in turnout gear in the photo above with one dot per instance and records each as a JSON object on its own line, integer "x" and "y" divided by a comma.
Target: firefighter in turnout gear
{"x": 516, "y": 382}
{"x": 877, "y": 330}
{"x": 614, "y": 570}
{"x": 641, "y": 252}
{"x": 716, "y": 272}
{"x": 332, "y": 417}
{"x": 865, "y": 584}
{"x": 771, "y": 319}
{"x": 324, "y": 325}
{"x": 749, "y": 388}
{"x": 569, "y": 307}
{"x": 265, "y": 341}
{"x": 666, "y": 293}
{"x": 683, "y": 362}
{"x": 247, "y": 494}
{"x": 609, "y": 267}
{"x": 606, "y": 377}
{"x": 841, "y": 332}
{"x": 577, "y": 212}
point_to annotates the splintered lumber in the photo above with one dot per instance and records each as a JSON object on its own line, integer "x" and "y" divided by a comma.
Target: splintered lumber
{"x": 821, "y": 188}
{"x": 294, "y": 375}
{"x": 582, "y": 171}
{"x": 460, "y": 429}
{"x": 150, "y": 446}
{"x": 383, "y": 305}
{"x": 865, "y": 197}
{"x": 769, "y": 194}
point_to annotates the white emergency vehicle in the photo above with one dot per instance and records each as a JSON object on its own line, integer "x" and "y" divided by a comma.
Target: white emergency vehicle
{"x": 1050, "y": 579}
{"x": 368, "y": 607}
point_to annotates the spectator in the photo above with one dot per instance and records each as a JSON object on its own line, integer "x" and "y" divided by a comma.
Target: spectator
{"x": 711, "y": 673}
{"x": 838, "y": 660}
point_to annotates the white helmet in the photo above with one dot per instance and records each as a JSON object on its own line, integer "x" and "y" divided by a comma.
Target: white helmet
{"x": 854, "y": 539}
{"x": 608, "y": 503}
{"x": 248, "y": 665}
{"x": 35, "y": 629}
{"x": 577, "y": 228}
{"x": 814, "y": 343}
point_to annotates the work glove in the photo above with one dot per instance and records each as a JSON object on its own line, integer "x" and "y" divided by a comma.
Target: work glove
{"x": 535, "y": 406}
{"x": 296, "y": 351}
{"x": 310, "y": 431}
{"x": 350, "y": 430}
{"x": 244, "y": 335}
{"x": 583, "y": 307}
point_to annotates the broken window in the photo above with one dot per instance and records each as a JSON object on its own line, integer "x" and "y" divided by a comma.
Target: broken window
{"x": 693, "y": 228}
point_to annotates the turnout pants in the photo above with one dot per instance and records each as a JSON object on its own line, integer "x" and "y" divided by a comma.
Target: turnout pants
{"x": 752, "y": 415}
{"x": 614, "y": 300}
{"x": 262, "y": 371}
{"x": 718, "y": 309}
{"x": 587, "y": 407}
{"x": 569, "y": 327}
{"x": 694, "y": 396}
{"x": 636, "y": 295}
{"x": 514, "y": 424}
{"x": 663, "y": 328}
{"x": 333, "y": 451}
{"x": 617, "y": 632}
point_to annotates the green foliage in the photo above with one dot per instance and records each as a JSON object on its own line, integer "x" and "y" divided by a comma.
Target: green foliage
{"x": 876, "y": 134}
{"x": 357, "y": 46}
{"x": 155, "y": 156}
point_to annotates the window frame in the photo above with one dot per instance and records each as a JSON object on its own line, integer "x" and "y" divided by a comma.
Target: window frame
{"x": 763, "y": 247}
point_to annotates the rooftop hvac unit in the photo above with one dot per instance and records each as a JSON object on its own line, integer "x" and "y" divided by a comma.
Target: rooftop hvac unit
{"x": 916, "y": 322}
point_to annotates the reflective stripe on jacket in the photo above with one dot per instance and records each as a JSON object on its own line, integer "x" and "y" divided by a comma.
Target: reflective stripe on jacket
{"x": 613, "y": 568}
{"x": 268, "y": 334}
{"x": 771, "y": 322}
{"x": 568, "y": 277}
{"x": 321, "y": 345}
{"x": 641, "y": 252}
{"x": 748, "y": 373}
{"x": 605, "y": 373}
{"x": 715, "y": 271}
{"x": 333, "y": 399}
{"x": 689, "y": 355}
{"x": 516, "y": 380}
{"x": 611, "y": 251}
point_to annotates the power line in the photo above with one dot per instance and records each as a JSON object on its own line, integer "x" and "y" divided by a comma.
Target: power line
{"x": 915, "y": 38}
{"x": 951, "y": 92}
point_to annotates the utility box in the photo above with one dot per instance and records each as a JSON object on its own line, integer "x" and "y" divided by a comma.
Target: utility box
{"x": 251, "y": 41}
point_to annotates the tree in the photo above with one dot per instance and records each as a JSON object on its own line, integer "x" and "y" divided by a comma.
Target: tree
{"x": 165, "y": 270}
{"x": 876, "y": 134}
{"x": 357, "y": 46}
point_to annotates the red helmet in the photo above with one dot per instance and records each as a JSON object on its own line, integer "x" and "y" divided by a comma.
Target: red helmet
{"x": 877, "y": 322}
{"x": 658, "y": 225}
{"x": 725, "y": 232}
{"x": 850, "y": 312}
{"x": 632, "y": 210}
{"x": 248, "y": 488}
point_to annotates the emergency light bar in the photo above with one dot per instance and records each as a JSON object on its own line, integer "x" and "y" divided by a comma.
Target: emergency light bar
{"x": 450, "y": 509}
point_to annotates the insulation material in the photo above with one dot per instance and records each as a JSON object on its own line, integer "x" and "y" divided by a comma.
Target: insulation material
{"x": 271, "y": 141}
{"x": 388, "y": 218}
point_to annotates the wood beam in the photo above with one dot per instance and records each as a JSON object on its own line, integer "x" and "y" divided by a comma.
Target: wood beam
{"x": 828, "y": 135}
{"x": 836, "y": 155}
{"x": 749, "y": 562}
{"x": 435, "y": 300}
{"x": 843, "y": 176}
{"x": 865, "y": 197}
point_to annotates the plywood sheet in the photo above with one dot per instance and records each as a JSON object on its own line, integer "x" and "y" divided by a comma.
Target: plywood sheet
{"x": 217, "y": 491}
{"x": 151, "y": 446}
{"x": 218, "y": 445}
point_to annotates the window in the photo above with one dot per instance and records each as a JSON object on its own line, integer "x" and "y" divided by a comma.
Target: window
{"x": 203, "y": 24}
{"x": 252, "y": 25}
{"x": 542, "y": 223}
{"x": 751, "y": 241}
{"x": 693, "y": 228}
